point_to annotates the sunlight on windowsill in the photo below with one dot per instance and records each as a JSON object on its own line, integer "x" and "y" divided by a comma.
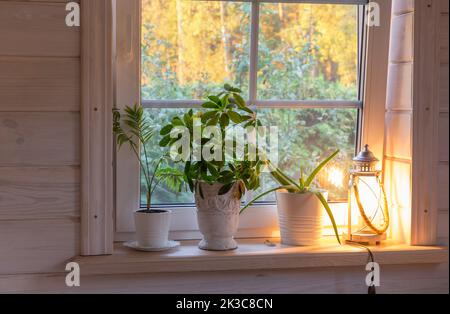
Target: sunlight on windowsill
{"x": 254, "y": 254}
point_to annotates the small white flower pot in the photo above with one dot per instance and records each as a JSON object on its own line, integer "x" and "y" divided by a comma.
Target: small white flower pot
{"x": 300, "y": 217}
{"x": 218, "y": 217}
{"x": 152, "y": 228}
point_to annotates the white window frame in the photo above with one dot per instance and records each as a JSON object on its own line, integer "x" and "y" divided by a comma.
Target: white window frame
{"x": 259, "y": 220}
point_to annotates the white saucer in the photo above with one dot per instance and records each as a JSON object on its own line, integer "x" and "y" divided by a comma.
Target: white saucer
{"x": 135, "y": 246}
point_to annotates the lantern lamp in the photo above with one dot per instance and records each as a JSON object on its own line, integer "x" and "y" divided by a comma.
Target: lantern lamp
{"x": 368, "y": 212}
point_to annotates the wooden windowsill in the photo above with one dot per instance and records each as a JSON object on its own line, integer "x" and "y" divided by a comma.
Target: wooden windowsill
{"x": 254, "y": 254}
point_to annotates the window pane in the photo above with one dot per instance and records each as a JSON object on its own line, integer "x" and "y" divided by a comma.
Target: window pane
{"x": 190, "y": 48}
{"x": 313, "y": 135}
{"x": 162, "y": 195}
{"x": 306, "y": 137}
{"x": 308, "y": 52}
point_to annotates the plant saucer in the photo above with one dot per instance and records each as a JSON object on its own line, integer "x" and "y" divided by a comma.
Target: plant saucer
{"x": 135, "y": 246}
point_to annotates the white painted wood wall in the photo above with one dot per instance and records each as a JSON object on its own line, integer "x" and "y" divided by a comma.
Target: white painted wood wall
{"x": 39, "y": 175}
{"x": 39, "y": 137}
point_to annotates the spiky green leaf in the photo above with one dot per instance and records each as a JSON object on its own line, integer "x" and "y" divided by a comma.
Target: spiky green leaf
{"x": 313, "y": 174}
{"x": 330, "y": 214}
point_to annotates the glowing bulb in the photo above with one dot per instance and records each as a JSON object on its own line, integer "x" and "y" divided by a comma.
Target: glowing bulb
{"x": 276, "y": 234}
{"x": 336, "y": 177}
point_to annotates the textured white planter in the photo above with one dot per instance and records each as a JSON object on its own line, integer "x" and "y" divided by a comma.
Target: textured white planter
{"x": 152, "y": 228}
{"x": 300, "y": 218}
{"x": 218, "y": 217}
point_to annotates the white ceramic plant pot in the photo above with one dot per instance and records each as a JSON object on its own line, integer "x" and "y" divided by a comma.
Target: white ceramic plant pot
{"x": 152, "y": 228}
{"x": 300, "y": 218}
{"x": 218, "y": 217}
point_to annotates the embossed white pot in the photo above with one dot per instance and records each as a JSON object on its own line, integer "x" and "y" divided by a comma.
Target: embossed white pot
{"x": 218, "y": 217}
{"x": 300, "y": 218}
{"x": 152, "y": 228}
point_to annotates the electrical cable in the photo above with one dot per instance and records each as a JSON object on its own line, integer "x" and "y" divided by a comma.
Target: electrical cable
{"x": 371, "y": 259}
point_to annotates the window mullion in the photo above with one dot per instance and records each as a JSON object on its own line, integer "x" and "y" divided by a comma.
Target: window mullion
{"x": 254, "y": 37}
{"x": 171, "y": 103}
{"x": 362, "y": 53}
{"x": 318, "y": 104}
{"x": 253, "y": 83}
{"x": 362, "y": 38}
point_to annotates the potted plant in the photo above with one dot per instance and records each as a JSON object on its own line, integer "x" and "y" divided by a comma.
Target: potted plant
{"x": 132, "y": 128}
{"x": 218, "y": 183}
{"x": 300, "y": 206}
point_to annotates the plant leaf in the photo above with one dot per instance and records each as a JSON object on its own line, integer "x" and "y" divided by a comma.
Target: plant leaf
{"x": 225, "y": 189}
{"x": 177, "y": 122}
{"x": 284, "y": 179}
{"x": 231, "y": 89}
{"x": 318, "y": 169}
{"x": 235, "y": 117}
{"x": 187, "y": 119}
{"x": 330, "y": 214}
{"x": 212, "y": 169}
{"x": 215, "y": 99}
{"x": 224, "y": 120}
{"x": 210, "y": 105}
{"x": 241, "y": 189}
{"x": 262, "y": 195}
{"x": 208, "y": 115}
{"x": 191, "y": 185}
{"x": 166, "y": 130}
{"x": 213, "y": 120}
{"x": 187, "y": 168}
{"x": 246, "y": 118}
{"x": 171, "y": 177}
{"x": 165, "y": 141}
{"x": 239, "y": 100}
{"x": 225, "y": 100}
{"x": 301, "y": 180}
{"x": 200, "y": 190}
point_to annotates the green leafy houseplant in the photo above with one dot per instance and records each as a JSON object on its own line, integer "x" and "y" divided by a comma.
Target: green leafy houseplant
{"x": 214, "y": 169}
{"x": 134, "y": 129}
{"x": 224, "y": 110}
{"x": 301, "y": 186}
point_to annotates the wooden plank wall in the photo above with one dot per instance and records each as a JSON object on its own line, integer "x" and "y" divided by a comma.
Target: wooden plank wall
{"x": 394, "y": 279}
{"x": 39, "y": 176}
{"x": 443, "y": 218}
{"x": 39, "y": 137}
{"x": 399, "y": 119}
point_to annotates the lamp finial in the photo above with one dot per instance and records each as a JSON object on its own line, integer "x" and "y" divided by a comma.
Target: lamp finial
{"x": 365, "y": 161}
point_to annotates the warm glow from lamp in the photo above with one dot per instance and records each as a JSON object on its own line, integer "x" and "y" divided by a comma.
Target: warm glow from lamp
{"x": 397, "y": 181}
{"x": 336, "y": 177}
{"x": 276, "y": 234}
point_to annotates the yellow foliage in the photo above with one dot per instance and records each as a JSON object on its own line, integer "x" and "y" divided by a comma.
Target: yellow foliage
{"x": 198, "y": 39}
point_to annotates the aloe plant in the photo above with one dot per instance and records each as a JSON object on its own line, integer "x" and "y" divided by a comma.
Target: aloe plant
{"x": 300, "y": 186}
{"x": 133, "y": 128}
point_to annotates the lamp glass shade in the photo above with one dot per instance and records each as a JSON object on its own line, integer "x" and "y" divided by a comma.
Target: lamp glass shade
{"x": 368, "y": 212}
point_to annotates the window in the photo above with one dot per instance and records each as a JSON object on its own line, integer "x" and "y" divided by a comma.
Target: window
{"x": 373, "y": 50}
{"x": 299, "y": 64}
{"x": 296, "y": 62}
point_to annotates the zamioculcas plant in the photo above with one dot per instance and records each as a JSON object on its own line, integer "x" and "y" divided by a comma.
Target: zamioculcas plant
{"x": 134, "y": 129}
{"x": 301, "y": 186}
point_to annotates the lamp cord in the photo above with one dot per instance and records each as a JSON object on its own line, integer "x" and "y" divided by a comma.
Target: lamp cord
{"x": 371, "y": 258}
